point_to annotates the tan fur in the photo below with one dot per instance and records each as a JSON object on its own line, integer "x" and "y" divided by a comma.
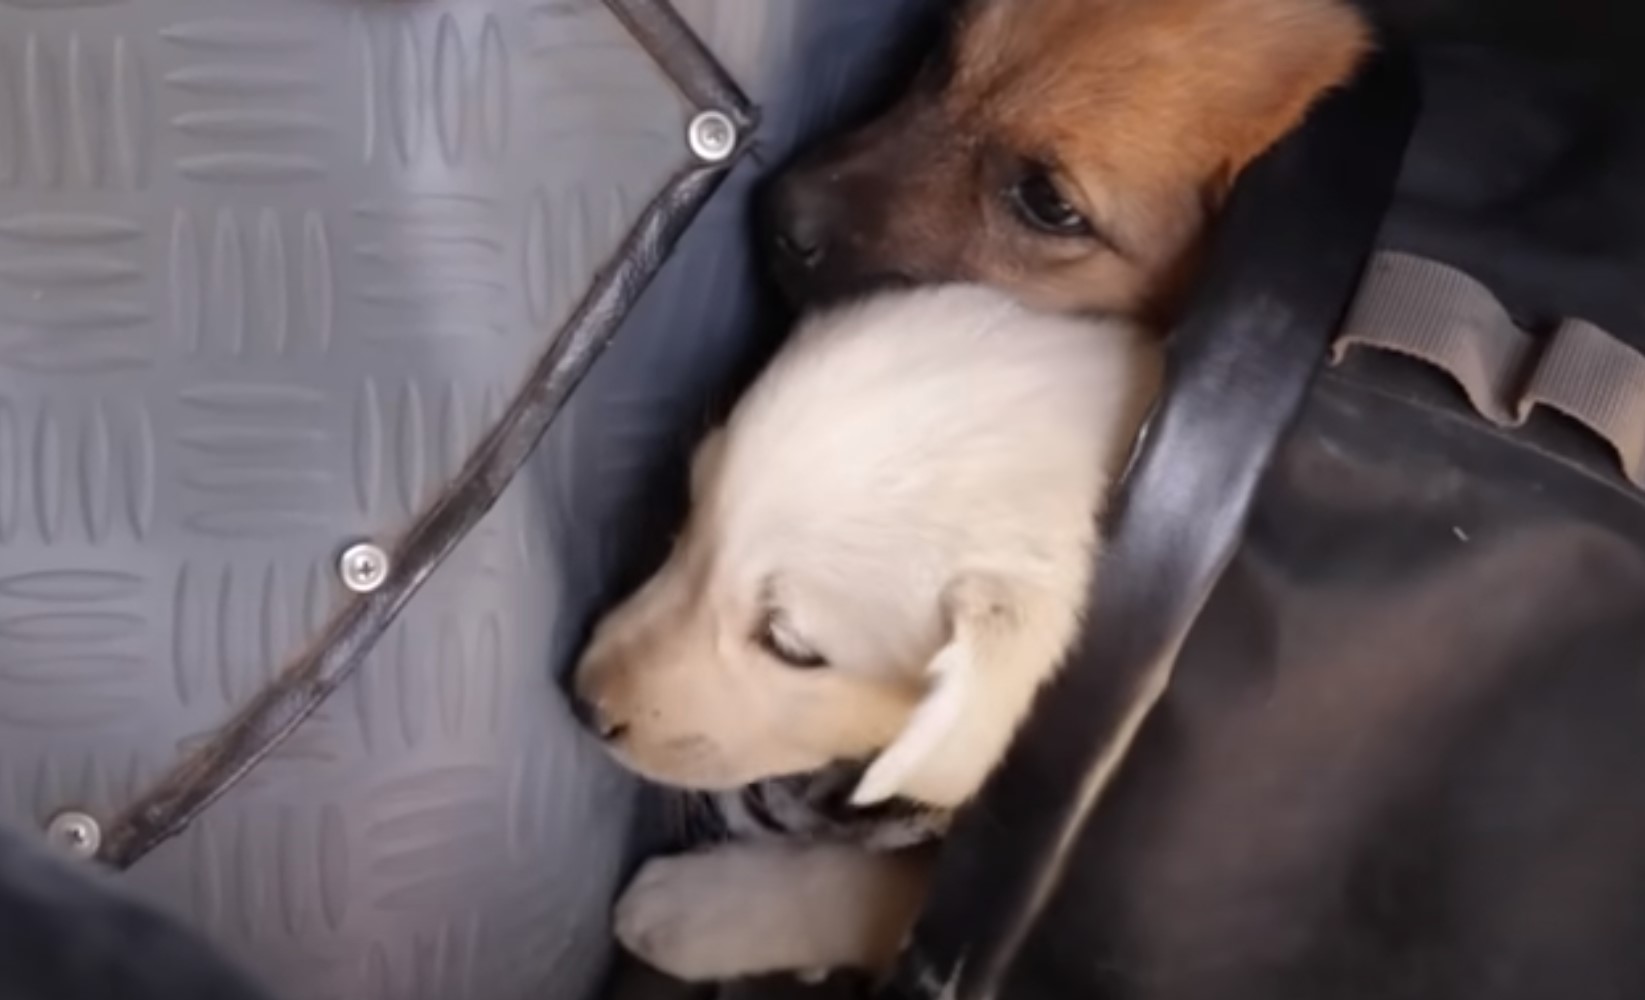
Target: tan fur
{"x": 1143, "y": 110}
{"x": 913, "y": 487}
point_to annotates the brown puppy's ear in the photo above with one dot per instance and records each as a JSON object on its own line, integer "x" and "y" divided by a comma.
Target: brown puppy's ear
{"x": 1297, "y": 53}
{"x": 980, "y": 684}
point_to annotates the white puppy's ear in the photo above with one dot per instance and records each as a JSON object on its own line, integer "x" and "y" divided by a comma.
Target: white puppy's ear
{"x": 960, "y": 728}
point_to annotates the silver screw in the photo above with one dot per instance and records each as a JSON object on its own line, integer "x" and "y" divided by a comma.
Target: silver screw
{"x": 75, "y": 834}
{"x": 363, "y": 567}
{"x": 712, "y": 136}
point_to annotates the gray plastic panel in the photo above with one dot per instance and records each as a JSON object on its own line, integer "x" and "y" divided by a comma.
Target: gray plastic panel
{"x": 267, "y": 269}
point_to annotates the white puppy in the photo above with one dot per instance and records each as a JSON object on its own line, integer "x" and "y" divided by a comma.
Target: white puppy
{"x": 888, "y": 553}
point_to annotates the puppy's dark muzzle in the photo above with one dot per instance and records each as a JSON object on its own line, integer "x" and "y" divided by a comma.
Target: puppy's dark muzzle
{"x": 811, "y": 233}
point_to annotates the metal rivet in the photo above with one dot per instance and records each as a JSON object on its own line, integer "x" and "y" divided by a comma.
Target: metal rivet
{"x": 75, "y": 833}
{"x": 712, "y": 136}
{"x": 363, "y": 567}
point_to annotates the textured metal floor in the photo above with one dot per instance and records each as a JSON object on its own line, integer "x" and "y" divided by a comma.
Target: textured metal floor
{"x": 267, "y": 269}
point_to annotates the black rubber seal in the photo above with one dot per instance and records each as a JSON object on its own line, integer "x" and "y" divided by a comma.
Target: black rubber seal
{"x": 1283, "y": 264}
{"x": 197, "y": 781}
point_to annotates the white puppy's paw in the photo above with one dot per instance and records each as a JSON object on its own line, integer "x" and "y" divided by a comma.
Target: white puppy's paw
{"x": 694, "y": 916}
{"x": 745, "y": 910}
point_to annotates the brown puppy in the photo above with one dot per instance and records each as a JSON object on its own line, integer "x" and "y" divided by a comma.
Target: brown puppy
{"x": 1069, "y": 151}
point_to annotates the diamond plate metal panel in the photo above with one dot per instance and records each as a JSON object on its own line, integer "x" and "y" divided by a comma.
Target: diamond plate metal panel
{"x": 267, "y": 272}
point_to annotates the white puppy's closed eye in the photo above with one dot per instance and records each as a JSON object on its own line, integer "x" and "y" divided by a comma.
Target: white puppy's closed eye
{"x": 778, "y": 636}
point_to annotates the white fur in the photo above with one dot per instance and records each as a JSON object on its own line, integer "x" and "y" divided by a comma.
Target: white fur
{"x": 750, "y": 909}
{"x": 913, "y": 486}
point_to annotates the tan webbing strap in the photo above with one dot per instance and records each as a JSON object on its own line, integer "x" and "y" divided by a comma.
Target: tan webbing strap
{"x": 1439, "y": 315}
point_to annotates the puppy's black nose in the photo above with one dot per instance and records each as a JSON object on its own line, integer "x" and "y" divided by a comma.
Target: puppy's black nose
{"x": 797, "y": 220}
{"x": 800, "y": 242}
{"x": 594, "y": 719}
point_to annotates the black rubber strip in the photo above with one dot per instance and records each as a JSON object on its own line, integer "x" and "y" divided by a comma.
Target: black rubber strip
{"x": 168, "y": 807}
{"x": 661, "y": 31}
{"x": 1283, "y": 263}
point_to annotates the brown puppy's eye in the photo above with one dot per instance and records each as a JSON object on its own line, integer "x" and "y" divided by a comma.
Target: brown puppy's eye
{"x": 1037, "y": 202}
{"x": 778, "y": 638}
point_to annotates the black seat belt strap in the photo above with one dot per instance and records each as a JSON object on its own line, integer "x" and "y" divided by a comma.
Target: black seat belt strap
{"x": 1282, "y": 265}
